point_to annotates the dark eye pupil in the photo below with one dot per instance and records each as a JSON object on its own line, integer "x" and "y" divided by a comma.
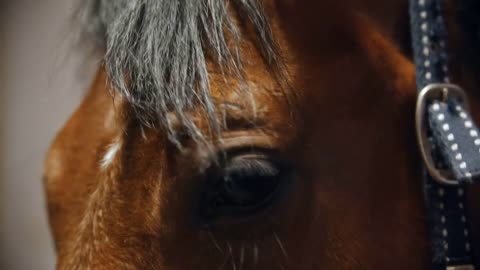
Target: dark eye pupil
{"x": 249, "y": 188}
{"x": 243, "y": 187}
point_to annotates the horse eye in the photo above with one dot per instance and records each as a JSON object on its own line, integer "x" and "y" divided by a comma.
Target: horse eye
{"x": 242, "y": 187}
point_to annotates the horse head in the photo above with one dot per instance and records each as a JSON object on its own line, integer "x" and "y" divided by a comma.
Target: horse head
{"x": 245, "y": 135}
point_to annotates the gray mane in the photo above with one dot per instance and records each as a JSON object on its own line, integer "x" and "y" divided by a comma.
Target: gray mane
{"x": 157, "y": 50}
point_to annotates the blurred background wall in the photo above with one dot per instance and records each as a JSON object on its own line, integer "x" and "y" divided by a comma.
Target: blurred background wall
{"x": 42, "y": 80}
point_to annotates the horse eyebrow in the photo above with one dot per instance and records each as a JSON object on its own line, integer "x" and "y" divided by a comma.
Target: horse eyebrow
{"x": 157, "y": 51}
{"x": 237, "y": 117}
{"x": 234, "y": 116}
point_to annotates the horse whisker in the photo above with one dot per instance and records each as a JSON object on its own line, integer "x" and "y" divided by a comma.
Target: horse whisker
{"x": 232, "y": 258}
{"x": 242, "y": 256}
{"x": 255, "y": 255}
{"x": 215, "y": 243}
{"x": 280, "y": 244}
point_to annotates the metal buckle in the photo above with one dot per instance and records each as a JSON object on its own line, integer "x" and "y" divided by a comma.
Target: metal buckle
{"x": 432, "y": 92}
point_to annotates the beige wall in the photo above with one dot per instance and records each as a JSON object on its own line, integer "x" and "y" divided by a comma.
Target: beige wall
{"x": 41, "y": 82}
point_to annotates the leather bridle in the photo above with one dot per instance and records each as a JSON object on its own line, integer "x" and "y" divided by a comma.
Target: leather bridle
{"x": 448, "y": 139}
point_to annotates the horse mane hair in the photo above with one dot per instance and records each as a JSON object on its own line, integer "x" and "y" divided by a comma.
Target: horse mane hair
{"x": 156, "y": 52}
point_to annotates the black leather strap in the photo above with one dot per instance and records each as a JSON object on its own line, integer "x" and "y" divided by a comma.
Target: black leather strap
{"x": 454, "y": 140}
{"x": 457, "y": 138}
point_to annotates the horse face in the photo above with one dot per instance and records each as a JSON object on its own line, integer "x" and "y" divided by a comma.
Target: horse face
{"x": 316, "y": 175}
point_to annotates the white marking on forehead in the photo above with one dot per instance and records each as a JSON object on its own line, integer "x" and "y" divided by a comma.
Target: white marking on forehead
{"x": 110, "y": 154}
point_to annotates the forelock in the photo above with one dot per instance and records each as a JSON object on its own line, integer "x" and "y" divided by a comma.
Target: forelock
{"x": 156, "y": 50}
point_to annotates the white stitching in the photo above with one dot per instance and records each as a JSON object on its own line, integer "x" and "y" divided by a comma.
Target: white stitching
{"x": 441, "y": 117}
{"x": 472, "y": 131}
{"x": 451, "y": 137}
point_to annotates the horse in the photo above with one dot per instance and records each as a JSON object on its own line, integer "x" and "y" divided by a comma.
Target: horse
{"x": 273, "y": 134}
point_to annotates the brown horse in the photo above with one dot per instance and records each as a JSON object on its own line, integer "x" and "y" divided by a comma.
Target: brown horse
{"x": 274, "y": 134}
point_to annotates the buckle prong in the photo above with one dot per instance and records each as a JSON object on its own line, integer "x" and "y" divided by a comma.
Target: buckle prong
{"x": 444, "y": 94}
